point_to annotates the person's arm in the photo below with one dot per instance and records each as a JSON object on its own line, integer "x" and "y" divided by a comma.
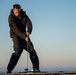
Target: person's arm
{"x": 15, "y": 29}
{"x": 27, "y": 21}
{"x": 29, "y": 26}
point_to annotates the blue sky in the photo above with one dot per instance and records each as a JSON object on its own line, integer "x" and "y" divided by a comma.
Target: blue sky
{"x": 54, "y": 34}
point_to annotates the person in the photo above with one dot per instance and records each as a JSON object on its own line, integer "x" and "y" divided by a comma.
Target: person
{"x": 20, "y": 29}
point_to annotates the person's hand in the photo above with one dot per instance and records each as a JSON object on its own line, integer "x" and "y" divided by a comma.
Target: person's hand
{"x": 27, "y": 33}
{"x": 26, "y": 39}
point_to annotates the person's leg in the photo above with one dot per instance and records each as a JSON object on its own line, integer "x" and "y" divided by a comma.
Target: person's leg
{"x": 33, "y": 55}
{"x": 15, "y": 56}
{"x": 34, "y": 60}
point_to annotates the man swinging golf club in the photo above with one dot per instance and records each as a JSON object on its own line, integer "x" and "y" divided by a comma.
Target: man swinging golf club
{"x": 18, "y": 21}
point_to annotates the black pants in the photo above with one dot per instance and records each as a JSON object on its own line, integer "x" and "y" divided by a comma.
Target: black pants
{"x": 19, "y": 45}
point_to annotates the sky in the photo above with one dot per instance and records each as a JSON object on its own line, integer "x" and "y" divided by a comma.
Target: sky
{"x": 53, "y": 35}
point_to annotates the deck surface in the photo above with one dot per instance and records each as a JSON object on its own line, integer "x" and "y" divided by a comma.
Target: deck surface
{"x": 43, "y": 73}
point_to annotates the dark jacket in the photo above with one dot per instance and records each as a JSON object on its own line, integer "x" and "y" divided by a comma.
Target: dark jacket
{"x": 18, "y": 27}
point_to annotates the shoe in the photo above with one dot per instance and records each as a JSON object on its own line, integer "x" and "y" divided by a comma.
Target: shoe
{"x": 8, "y": 71}
{"x": 36, "y": 70}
